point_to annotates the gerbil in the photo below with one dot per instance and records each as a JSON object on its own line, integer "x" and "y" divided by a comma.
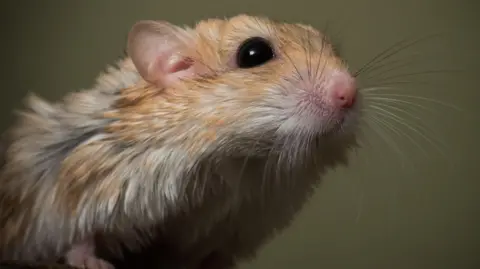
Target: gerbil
{"x": 209, "y": 138}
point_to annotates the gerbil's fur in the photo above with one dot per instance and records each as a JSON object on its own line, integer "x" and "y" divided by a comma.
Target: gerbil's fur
{"x": 215, "y": 164}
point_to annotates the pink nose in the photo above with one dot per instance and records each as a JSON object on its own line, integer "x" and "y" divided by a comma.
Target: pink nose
{"x": 343, "y": 90}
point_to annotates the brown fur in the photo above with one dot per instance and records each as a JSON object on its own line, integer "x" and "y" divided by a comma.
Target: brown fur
{"x": 187, "y": 164}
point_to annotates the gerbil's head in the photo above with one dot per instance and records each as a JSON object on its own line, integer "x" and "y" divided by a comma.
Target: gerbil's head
{"x": 240, "y": 79}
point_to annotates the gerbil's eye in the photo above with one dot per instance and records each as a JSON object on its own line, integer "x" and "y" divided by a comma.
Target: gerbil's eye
{"x": 253, "y": 52}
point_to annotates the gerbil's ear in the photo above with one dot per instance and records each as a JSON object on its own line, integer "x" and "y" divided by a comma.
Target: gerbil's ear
{"x": 158, "y": 51}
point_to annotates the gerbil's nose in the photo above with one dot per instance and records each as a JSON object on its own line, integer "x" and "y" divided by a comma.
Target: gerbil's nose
{"x": 342, "y": 89}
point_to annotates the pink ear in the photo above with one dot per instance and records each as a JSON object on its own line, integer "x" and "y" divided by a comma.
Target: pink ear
{"x": 157, "y": 49}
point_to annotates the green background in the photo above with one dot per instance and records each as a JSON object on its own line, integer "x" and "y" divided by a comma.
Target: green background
{"x": 395, "y": 207}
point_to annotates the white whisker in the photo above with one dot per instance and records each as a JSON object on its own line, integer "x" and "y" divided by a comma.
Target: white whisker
{"x": 427, "y": 99}
{"x": 375, "y": 126}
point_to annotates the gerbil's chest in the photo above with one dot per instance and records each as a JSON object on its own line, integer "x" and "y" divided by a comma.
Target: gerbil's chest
{"x": 240, "y": 217}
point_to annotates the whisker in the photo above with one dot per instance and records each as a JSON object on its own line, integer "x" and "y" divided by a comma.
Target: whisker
{"x": 307, "y": 49}
{"x": 445, "y": 71}
{"x": 400, "y": 133}
{"x": 383, "y": 85}
{"x": 250, "y": 153}
{"x": 420, "y": 125}
{"x": 401, "y": 121}
{"x": 398, "y": 101}
{"x": 324, "y": 42}
{"x": 393, "y": 64}
{"x": 273, "y": 159}
{"x": 390, "y": 51}
{"x": 362, "y": 133}
{"x": 359, "y": 208}
{"x": 378, "y": 130}
{"x": 427, "y": 99}
{"x": 376, "y": 88}
{"x": 294, "y": 66}
{"x": 401, "y": 110}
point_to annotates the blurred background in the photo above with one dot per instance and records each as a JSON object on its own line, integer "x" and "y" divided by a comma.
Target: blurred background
{"x": 410, "y": 199}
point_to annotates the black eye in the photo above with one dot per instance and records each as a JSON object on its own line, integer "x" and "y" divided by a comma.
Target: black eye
{"x": 253, "y": 52}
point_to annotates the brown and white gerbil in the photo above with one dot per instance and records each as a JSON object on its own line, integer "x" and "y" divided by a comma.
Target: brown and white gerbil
{"x": 209, "y": 138}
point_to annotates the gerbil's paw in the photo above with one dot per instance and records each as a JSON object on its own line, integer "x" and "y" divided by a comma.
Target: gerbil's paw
{"x": 82, "y": 256}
